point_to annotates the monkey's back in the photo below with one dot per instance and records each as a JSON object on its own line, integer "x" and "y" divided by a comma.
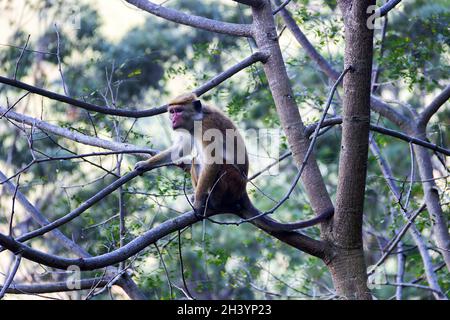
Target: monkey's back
{"x": 231, "y": 178}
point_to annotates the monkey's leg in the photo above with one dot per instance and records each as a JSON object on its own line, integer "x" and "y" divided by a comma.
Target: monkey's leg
{"x": 205, "y": 183}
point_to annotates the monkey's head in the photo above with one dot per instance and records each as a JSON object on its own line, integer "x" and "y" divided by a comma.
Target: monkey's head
{"x": 184, "y": 110}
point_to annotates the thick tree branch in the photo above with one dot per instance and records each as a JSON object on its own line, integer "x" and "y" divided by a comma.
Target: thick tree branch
{"x": 266, "y": 38}
{"x": 323, "y": 64}
{"x": 192, "y": 20}
{"x": 60, "y": 286}
{"x": 384, "y": 109}
{"x": 107, "y": 259}
{"x": 72, "y": 135}
{"x": 298, "y": 240}
{"x": 388, "y": 6}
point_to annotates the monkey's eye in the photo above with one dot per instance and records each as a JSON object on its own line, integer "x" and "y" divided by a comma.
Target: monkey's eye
{"x": 171, "y": 111}
{"x": 176, "y": 110}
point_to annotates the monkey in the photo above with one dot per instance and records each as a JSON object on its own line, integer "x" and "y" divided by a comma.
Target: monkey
{"x": 211, "y": 147}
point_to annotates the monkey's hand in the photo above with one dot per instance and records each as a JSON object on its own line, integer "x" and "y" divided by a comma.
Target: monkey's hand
{"x": 141, "y": 166}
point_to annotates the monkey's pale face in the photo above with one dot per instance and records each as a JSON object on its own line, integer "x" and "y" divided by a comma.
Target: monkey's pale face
{"x": 182, "y": 116}
{"x": 176, "y": 116}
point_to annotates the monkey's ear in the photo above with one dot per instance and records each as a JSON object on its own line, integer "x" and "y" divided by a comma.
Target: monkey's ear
{"x": 197, "y": 105}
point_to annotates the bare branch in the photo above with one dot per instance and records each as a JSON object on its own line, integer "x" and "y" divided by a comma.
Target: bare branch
{"x": 415, "y": 233}
{"x": 296, "y": 239}
{"x": 125, "y": 281}
{"x": 232, "y": 29}
{"x": 215, "y": 81}
{"x": 82, "y": 104}
{"x": 309, "y": 150}
{"x": 20, "y": 57}
{"x": 82, "y": 208}
{"x": 280, "y": 7}
{"x": 41, "y": 219}
{"x": 251, "y": 3}
{"x": 75, "y": 136}
{"x": 60, "y": 286}
{"x": 324, "y": 65}
{"x": 180, "y": 253}
{"x": 385, "y": 8}
{"x": 377, "y": 104}
{"x": 434, "y": 106}
{"x": 384, "y": 109}
{"x": 389, "y": 132}
{"x": 11, "y": 275}
{"x": 107, "y": 259}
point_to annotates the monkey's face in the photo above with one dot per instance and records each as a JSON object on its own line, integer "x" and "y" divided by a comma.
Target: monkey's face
{"x": 183, "y": 116}
{"x": 177, "y": 116}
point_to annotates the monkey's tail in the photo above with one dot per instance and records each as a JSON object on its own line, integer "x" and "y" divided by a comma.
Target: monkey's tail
{"x": 248, "y": 211}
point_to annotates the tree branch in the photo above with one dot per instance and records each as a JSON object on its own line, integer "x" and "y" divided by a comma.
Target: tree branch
{"x": 75, "y": 136}
{"x": 82, "y": 208}
{"x": 251, "y": 3}
{"x": 215, "y": 81}
{"x": 11, "y": 275}
{"x": 433, "y": 107}
{"x": 82, "y": 104}
{"x": 107, "y": 259}
{"x": 125, "y": 282}
{"x": 41, "y": 219}
{"x": 382, "y": 130}
{"x": 218, "y": 79}
{"x": 232, "y": 29}
{"x": 388, "y": 6}
{"x": 59, "y": 286}
{"x": 296, "y": 239}
{"x": 376, "y": 103}
{"x": 323, "y": 64}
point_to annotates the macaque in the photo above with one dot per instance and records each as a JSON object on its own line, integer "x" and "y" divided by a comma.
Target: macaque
{"x": 212, "y": 148}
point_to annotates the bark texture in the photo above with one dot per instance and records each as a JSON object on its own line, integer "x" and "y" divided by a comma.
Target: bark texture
{"x": 431, "y": 195}
{"x": 348, "y": 267}
{"x": 266, "y": 38}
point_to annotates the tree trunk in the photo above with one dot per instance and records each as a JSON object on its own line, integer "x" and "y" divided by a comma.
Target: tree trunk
{"x": 348, "y": 267}
{"x": 266, "y": 38}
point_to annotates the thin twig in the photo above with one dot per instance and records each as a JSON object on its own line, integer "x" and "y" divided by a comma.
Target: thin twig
{"x": 182, "y": 267}
{"x": 20, "y": 57}
{"x": 59, "y": 61}
{"x": 11, "y": 275}
{"x": 13, "y": 206}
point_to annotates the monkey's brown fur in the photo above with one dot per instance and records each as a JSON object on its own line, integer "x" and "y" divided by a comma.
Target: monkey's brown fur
{"x": 217, "y": 185}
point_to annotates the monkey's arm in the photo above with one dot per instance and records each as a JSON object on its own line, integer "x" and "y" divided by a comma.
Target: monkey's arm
{"x": 176, "y": 154}
{"x": 164, "y": 157}
{"x": 205, "y": 183}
